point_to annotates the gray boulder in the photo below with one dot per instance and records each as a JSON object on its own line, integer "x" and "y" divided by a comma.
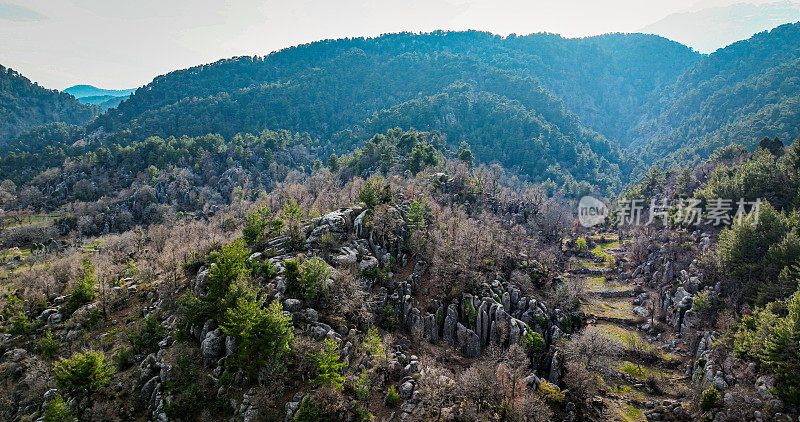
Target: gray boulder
{"x": 213, "y": 345}
{"x": 472, "y": 348}
{"x": 292, "y": 305}
{"x": 368, "y": 263}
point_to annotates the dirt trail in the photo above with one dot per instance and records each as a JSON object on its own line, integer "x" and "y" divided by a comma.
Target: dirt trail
{"x": 609, "y": 302}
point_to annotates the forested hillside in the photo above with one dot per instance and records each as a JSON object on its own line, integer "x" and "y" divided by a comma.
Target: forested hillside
{"x": 582, "y": 71}
{"x": 743, "y": 92}
{"x": 333, "y": 90}
{"x": 24, "y": 105}
{"x": 598, "y": 110}
{"x": 384, "y": 229}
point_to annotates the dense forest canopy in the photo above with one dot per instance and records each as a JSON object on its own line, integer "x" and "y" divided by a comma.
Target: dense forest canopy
{"x": 589, "y": 114}
{"x": 642, "y": 93}
{"x": 24, "y": 104}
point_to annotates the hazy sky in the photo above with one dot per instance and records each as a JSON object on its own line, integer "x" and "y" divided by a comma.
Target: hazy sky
{"x": 124, "y": 44}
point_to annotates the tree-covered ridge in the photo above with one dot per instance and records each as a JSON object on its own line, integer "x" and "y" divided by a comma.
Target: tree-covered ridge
{"x": 656, "y": 96}
{"x": 24, "y": 104}
{"x": 611, "y": 63}
{"x": 345, "y": 91}
{"x": 738, "y": 93}
{"x": 503, "y": 130}
{"x": 570, "y": 105}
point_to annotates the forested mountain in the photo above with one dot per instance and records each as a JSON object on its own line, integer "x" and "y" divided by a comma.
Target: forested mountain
{"x": 597, "y": 110}
{"x": 524, "y": 89}
{"x": 741, "y": 93}
{"x": 24, "y": 104}
{"x": 640, "y": 92}
{"x": 582, "y": 71}
{"x": 540, "y": 139}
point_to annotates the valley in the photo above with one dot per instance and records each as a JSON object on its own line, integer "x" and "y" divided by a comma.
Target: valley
{"x": 389, "y": 229}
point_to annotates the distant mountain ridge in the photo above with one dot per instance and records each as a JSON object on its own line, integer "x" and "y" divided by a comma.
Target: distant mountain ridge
{"x": 103, "y": 98}
{"x": 656, "y": 98}
{"x": 709, "y": 29}
{"x": 580, "y": 96}
{"x": 81, "y": 91}
{"x": 588, "y": 113}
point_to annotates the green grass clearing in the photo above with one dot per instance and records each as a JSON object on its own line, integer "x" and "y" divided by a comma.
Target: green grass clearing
{"x": 640, "y": 372}
{"x": 45, "y": 219}
{"x": 601, "y": 284}
{"x": 632, "y": 413}
{"x": 610, "y": 308}
{"x": 585, "y": 264}
{"x": 600, "y": 250}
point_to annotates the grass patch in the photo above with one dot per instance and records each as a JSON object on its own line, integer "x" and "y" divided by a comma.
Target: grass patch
{"x": 585, "y": 264}
{"x": 620, "y": 334}
{"x": 45, "y": 219}
{"x": 632, "y": 413}
{"x": 605, "y": 238}
{"x": 610, "y": 308}
{"x": 92, "y": 246}
{"x": 601, "y": 284}
{"x": 600, "y": 250}
{"x": 622, "y": 389}
{"x": 640, "y": 372}
{"x": 12, "y": 252}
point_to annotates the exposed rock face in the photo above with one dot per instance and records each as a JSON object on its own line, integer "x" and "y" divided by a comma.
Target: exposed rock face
{"x": 348, "y": 256}
{"x": 14, "y": 355}
{"x": 213, "y": 345}
{"x": 333, "y": 226}
{"x": 448, "y": 333}
{"x": 292, "y": 305}
{"x": 473, "y": 323}
{"x": 368, "y": 263}
{"x": 472, "y": 346}
{"x": 555, "y": 369}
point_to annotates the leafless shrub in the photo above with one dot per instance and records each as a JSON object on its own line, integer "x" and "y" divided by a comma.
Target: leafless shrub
{"x": 533, "y": 408}
{"x": 436, "y": 389}
{"x": 478, "y": 385}
{"x": 567, "y": 295}
{"x": 595, "y": 349}
{"x": 639, "y": 246}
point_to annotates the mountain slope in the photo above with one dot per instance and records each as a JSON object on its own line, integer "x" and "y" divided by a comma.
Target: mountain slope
{"x": 504, "y": 130}
{"x": 581, "y": 71}
{"x": 332, "y": 90}
{"x": 725, "y": 89}
{"x": 24, "y": 104}
{"x": 592, "y": 97}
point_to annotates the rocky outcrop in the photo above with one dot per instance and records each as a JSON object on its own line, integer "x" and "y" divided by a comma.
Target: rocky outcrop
{"x": 500, "y": 317}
